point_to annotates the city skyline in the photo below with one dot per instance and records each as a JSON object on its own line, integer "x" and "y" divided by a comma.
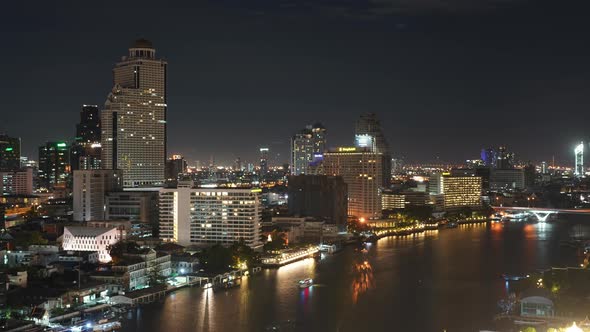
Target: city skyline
{"x": 434, "y": 84}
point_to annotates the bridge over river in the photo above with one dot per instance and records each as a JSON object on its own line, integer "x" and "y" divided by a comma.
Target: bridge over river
{"x": 541, "y": 213}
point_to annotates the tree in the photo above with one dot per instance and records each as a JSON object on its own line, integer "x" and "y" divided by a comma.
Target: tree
{"x": 26, "y": 238}
{"x": 278, "y": 241}
{"x": 242, "y": 255}
{"x": 155, "y": 276}
{"x": 216, "y": 258}
{"x": 121, "y": 248}
{"x": 529, "y": 329}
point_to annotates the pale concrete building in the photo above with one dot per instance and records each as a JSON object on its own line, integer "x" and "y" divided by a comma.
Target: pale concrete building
{"x": 89, "y": 190}
{"x": 94, "y": 239}
{"x": 204, "y": 217}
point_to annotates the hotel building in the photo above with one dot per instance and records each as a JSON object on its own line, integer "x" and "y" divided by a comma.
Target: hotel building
{"x": 362, "y": 170}
{"x": 204, "y": 217}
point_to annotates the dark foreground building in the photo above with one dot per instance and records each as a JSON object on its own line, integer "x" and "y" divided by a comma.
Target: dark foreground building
{"x": 319, "y": 196}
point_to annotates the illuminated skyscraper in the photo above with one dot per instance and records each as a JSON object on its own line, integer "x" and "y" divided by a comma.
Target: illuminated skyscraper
{"x": 9, "y": 153}
{"x": 307, "y": 146}
{"x": 368, "y": 134}
{"x": 504, "y": 159}
{"x": 134, "y": 119}
{"x": 54, "y": 165}
{"x": 263, "y": 161}
{"x": 579, "y": 160}
{"x": 86, "y": 149}
{"x": 362, "y": 170}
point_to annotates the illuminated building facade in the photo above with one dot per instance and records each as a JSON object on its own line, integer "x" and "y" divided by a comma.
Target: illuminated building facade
{"x": 89, "y": 190}
{"x": 579, "y": 160}
{"x": 54, "y": 165}
{"x": 134, "y": 119}
{"x": 204, "y": 217}
{"x": 362, "y": 171}
{"x": 307, "y": 146}
{"x": 94, "y": 239}
{"x": 86, "y": 149}
{"x": 16, "y": 183}
{"x": 264, "y": 161}
{"x": 461, "y": 191}
{"x": 458, "y": 191}
{"x": 392, "y": 201}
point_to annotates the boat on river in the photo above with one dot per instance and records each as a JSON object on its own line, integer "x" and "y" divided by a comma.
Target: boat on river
{"x": 514, "y": 277}
{"x": 305, "y": 283}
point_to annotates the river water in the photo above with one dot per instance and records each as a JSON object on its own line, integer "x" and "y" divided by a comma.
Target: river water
{"x": 440, "y": 280}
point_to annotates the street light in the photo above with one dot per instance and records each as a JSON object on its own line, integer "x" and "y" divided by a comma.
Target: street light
{"x": 573, "y": 328}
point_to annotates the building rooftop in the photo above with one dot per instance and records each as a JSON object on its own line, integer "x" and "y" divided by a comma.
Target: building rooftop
{"x": 142, "y": 43}
{"x": 88, "y": 231}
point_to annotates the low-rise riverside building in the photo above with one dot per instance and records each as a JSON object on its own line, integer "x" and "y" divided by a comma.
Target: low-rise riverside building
{"x": 133, "y": 271}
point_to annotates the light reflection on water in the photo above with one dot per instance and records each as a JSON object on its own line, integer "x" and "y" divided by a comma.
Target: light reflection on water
{"x": 363, "y": 280}
{"x": 419, "y": 273}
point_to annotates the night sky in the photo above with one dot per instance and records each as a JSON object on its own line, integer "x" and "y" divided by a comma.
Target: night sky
{"x": 446, "y": 77}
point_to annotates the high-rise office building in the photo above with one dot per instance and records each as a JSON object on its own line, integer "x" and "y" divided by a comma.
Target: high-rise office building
{"x": 238, "y": 164}
{"x": 362, "y": 171}
{"x": 579, "y": 160}
{"x": 204, "y": 217}
{"x": 264, "y": 161}
{"x": 86, "y": 149}
{"x": 320, "y": 196}
{"x": 9, "y": 153}
{"x": 175, "y": 165}
{"x": 488, "y": 156}
{"x": 368, "y": 126}
{"x": 544, "y": 167}
{"x": 507, "y": 179}
{"x": 504, "y": 158}
{"x": 89, "y": 190}
{"x": 369, "y": 134}
{"x": 307, "y": 146}
{"x": 392, "y": 201}
{"x": 134, "y": 119}
{"x": 461, "y": 191}
{"x": 458, "y": 191}
{"x": 137, "y": 206}
{"x": 54, "y": 165}
{"x": 19, "y": 182}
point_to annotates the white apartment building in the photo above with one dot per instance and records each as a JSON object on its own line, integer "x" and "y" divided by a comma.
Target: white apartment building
{"x": 204, "y": 217}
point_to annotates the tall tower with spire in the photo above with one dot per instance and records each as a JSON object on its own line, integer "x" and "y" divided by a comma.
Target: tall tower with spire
{"x": 369, "y": 134}
{"x": 134, "y": 118}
